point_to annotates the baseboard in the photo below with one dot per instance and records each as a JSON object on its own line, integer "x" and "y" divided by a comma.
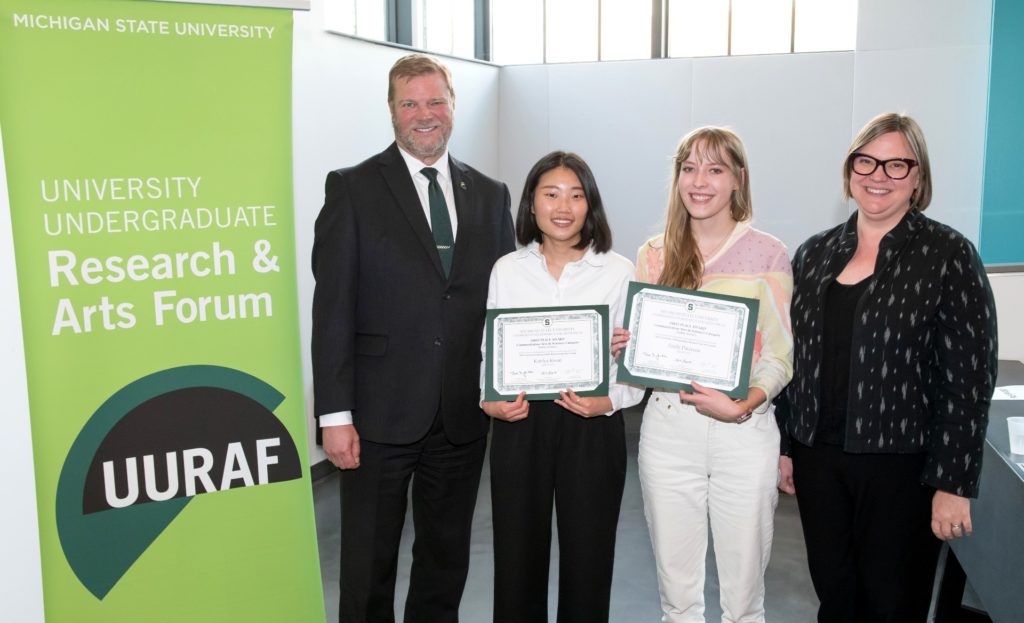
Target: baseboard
{"x": 323, "y": 469}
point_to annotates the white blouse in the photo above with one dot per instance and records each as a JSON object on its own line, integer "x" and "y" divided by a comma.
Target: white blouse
{"x": 521, "y": 279}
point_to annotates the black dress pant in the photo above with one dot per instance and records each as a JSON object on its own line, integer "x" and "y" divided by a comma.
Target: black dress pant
{"x": 445, "y": 479}
{"x": 554, "y": 458}
{"x": 867, "y": 524}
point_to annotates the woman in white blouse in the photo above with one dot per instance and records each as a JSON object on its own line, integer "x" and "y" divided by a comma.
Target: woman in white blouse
{"x": 570, "y": 452}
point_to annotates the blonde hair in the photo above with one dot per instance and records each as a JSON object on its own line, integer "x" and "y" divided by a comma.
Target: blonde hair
{"x": 684, "y": 266}
{"x": 413, "y": 65}
{"x": 909, "y": 130}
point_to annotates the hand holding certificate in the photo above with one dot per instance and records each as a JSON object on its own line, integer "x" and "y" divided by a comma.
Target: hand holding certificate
{"x": 685, "y": 336}
{"x": 543, "y": 351}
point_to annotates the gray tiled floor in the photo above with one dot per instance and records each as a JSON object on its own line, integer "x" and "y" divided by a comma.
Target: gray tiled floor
{"x": 789, "y": 595}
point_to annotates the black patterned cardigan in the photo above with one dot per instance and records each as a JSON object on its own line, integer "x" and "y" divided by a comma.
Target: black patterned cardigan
{"x": 924, "y": 348}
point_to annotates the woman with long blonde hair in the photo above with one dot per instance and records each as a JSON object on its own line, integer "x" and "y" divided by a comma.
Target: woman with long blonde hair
{"x": 706, "y": 459}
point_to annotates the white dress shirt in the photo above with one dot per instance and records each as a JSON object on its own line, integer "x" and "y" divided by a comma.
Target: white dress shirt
{"x": 444, "y": 179}
{"x": 521, "y": 279}
{"x": 420, "y": 181}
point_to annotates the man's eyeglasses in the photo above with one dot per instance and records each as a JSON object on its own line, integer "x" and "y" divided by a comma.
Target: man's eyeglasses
{"x": 895, "y": 168}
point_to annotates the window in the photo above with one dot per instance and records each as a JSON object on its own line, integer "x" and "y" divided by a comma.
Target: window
{"x": 588, "y": 30}
{"x": 554, "y": 31}
{"x": 698, "y": 27}
{"x": 761, "y": 26}
{"x": 515, "y": 38}
{"x": 570, "y": 32}
{"x": 823, "y": 26}
{"x": 363, "y": 18}
{"x": 444, "y": 26}
{"x": 625, "y": 30}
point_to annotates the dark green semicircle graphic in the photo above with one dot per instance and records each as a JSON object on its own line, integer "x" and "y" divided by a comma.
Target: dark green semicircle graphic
{"x": 165, "y": 412}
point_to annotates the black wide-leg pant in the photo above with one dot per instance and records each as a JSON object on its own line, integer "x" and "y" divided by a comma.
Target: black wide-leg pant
{"x": 557, "y": 460}
{"x": 867, "y": 525}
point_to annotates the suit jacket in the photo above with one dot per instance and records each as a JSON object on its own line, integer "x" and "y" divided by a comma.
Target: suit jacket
{"x": 394, "y": 340}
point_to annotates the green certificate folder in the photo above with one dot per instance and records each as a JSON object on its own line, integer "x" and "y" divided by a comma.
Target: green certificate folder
{"x": 545, "y": 350}
{"x": 681, "y": 336}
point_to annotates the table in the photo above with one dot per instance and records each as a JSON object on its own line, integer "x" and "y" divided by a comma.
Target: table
{"x": 993, "y": 557}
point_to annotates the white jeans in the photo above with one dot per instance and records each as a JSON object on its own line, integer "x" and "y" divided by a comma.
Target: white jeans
{"x": 691, "y": 468}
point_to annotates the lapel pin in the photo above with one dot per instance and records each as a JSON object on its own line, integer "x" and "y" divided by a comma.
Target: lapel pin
{"x": 462, "y": 185}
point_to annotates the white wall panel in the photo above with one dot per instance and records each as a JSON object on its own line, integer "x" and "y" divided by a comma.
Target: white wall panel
{"x": 944, "y": 89}
{"x": 793, "y": 114}
{"x": 908, "y": 24}
{"x": 475, "y": 137}
{"x": 21, "y": 581}
{"x": 1008, "y": 289}
{"x": 625, "y": 120}
{"x": 523, "y": 134}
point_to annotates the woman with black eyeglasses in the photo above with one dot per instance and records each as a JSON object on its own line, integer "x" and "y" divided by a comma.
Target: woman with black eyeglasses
{"x": 894, "y": 331}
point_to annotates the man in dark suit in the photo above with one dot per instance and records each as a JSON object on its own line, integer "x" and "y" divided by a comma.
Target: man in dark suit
{"x": 402, "y": 256}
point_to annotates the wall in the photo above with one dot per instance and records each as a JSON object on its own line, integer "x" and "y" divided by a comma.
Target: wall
{"x": 628, "y": 132}
{"x": 1008, "y": 289}
{"x": 21, "y": 589}
{"x": 796, "y": 114}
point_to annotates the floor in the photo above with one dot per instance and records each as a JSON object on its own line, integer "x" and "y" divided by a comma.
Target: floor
{"x": 789, "y": 595}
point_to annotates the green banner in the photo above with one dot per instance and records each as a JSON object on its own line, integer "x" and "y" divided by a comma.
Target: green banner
{"x": 148, "y": 161}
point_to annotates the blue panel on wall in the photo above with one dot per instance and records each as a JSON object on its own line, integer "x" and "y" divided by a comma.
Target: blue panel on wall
{"x": 1002, "y": 217}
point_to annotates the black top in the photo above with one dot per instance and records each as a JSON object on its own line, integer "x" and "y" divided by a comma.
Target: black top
{"x": 840, "y": 302}
{"x": 923, "y": 347}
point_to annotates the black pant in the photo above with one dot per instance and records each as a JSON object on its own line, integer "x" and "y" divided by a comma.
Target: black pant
{"x": 579, "y": 465}
{"x": 445, "y": 479}
{"x": 867, "y": 524}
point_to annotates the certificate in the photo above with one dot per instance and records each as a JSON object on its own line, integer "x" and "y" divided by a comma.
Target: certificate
{"x": 545, "y": 350}
{"x": 681, "y": 336}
